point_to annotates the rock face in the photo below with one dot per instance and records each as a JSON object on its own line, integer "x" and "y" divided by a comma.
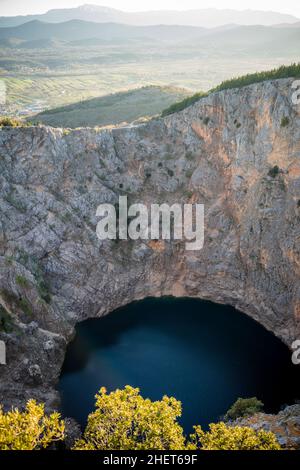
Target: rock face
{"x": 285, "y": 425}
{"x": 231, "y": 151}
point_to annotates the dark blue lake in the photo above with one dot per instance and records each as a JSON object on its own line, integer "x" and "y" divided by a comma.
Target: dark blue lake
{"x": 205, "y": 355}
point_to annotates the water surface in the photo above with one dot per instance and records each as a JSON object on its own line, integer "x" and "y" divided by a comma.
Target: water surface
{"x": 205, "y": 355}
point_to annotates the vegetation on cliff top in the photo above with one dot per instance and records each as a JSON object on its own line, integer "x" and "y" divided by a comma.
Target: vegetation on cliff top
{"x": 285, "y": 71}
{"x": 124, "y": 420}
{"x": 244, "y": 407}
{"x": 7, "y": 121}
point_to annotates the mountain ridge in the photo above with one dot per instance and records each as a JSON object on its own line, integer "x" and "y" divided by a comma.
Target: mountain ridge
{"x": 208, "y": 17}
{"x": 235, "y": 39}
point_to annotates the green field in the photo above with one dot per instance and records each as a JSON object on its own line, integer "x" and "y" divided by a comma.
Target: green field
{"x": 42, "y": 74}
{"x": 40, "y": 79}
{"x": 113, "y": 109}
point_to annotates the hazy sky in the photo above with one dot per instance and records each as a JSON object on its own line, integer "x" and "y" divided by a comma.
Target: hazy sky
{"x": 22, "y": 7}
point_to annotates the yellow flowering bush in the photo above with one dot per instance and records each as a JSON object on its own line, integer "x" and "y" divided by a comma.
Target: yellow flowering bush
{"x": 123, "y": 420}
{"x": 30, "y": 429}
{"x": 223, "y": 437}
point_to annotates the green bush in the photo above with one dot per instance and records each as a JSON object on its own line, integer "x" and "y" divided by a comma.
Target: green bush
{"x": 273, "y": 172}
{"x": 176, "y": 107}
{"x": 244, "y": 407}
{"x": 284, "y": 121}
{"x": 5, "y": 320}
{"x": 22, "y": 281}
{"x": 24, "y": 306}
{"x": 43, "y": 290}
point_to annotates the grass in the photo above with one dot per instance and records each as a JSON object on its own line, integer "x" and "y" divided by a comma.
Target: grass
{"x": 6, "y": 324}
{"x": 24, "y": 306}
{"x": 22, "y": 281}
{"x": 285, "y": 71}
{"x": 17, "y": 302}
{"x": 43, "y": 290}
{"x": 114, "y": 108}
{"x": 16, "y": 203}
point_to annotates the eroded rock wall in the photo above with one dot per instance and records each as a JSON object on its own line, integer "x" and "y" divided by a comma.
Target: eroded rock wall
{"x": 54, "y": 272}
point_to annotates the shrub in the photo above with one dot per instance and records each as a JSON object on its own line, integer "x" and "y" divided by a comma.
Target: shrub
{"x": 273, "y": 172}
{"x": 189, "y": 194}
{"x": 30, "y": 429}
{"x": 22, "y": 281}
{"x": 223, "y": 437}
{"x": 43, "y": 290}
{"x": 284, "y": 121}
{"x": 189, "y": 156}
{"x": 24, "y": 306}
{"x": 11, "y": 122}
{"x": 176, "y": 107}
{"x": 244, "y": 407}
{"x": 5, "y": 320}
{"x": 124, "y": 420}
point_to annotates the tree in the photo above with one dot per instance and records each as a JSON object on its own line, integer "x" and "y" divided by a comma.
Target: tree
{"x": 244, "y": 407}
{"x": 223, "y": 437}
{"x": 124, "y": 420}
{"x": 30, "y": 429}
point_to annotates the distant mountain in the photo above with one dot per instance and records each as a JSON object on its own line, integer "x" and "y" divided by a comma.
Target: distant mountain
{"x": 288, "y": 25}
{"x": 113, "y": 109}
{"x": 208, "y": 18}
{"x": 76, "y": 30}
{"x": 228, "y": 41}
{"x": 251, "y": 40}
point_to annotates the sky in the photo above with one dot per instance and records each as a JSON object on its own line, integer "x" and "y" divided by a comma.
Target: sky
{"x": 23, "y": 7}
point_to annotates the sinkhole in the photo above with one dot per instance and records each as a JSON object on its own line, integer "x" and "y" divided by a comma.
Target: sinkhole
{"x": 204, "y": 354}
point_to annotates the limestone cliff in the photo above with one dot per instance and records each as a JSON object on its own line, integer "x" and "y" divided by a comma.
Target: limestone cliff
{"x": 285, "y": 425}
{"x": 232, "y": 151}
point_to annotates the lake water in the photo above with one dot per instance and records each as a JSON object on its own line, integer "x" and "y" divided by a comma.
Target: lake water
{"x": 205, "y": 355}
